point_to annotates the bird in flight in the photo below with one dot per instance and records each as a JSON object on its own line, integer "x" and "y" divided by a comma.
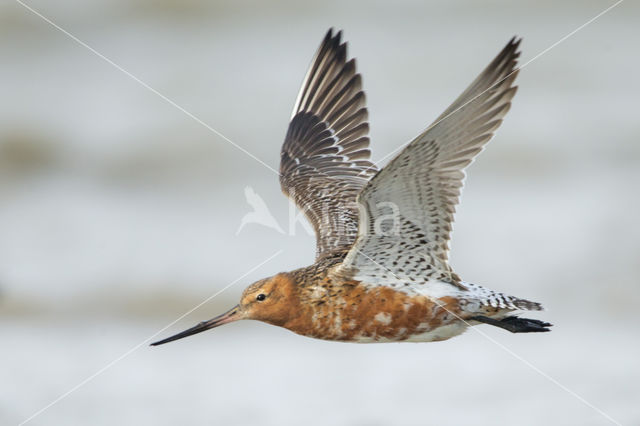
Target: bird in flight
{"x": 381, "y": 272}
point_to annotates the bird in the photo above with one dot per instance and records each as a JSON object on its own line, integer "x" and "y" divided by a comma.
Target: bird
{"x": 381, "y": 272}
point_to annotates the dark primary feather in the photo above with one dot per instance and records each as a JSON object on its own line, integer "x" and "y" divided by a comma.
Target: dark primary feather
{"x": 325, "y": 156}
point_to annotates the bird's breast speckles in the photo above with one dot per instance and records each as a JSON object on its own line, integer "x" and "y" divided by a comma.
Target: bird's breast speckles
{"x": 355, "y": 312}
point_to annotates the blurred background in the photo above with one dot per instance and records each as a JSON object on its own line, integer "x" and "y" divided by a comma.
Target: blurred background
{"x": 119, "y": 212}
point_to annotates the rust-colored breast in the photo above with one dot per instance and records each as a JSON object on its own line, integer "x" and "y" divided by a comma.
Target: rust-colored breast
{"x": 352, "y": 311}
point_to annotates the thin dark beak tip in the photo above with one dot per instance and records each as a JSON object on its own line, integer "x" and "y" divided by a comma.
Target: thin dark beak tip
{"x": 203, "y": 326}
{"x": 159, "y": 342}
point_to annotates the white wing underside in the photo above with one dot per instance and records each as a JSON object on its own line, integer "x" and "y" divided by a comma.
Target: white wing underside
{"x": 406, "y": 210}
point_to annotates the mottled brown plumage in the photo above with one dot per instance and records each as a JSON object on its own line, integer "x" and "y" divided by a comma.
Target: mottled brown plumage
{"x": 381, "y": 272}
{"x": 325, "y": 156}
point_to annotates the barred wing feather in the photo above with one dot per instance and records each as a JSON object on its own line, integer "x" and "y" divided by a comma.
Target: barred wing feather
{"x": 325, "y": 156}
{"x": 421, "y": 186}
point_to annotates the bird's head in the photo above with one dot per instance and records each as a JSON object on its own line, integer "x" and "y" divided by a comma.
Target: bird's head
{"x": 270, "y": 300}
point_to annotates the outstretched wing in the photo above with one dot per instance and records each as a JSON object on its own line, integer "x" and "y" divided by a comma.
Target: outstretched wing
{"x": 325, "y": 157}
{"x": 408, "y": 207}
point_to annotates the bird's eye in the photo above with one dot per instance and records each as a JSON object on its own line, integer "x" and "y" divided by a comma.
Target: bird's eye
{"x": 260, "y": 297}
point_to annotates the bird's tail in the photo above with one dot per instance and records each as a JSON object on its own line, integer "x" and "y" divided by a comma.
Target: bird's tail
{"x": 494, "y": 299}
{"x": 525, "y": 305}
{"x": 515, "y": 324}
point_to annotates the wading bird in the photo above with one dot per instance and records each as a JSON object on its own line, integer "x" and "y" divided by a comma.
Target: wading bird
{"x": 381, "y": 272}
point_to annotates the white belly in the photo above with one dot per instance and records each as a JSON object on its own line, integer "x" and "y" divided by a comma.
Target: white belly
{"x": 441, "y": 333}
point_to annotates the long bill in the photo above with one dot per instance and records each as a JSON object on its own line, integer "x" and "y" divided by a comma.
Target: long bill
{"x": 229, "y": 316}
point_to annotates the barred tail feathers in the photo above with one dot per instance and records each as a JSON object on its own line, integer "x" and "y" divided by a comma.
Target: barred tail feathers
{"x": 496, "y": 299}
